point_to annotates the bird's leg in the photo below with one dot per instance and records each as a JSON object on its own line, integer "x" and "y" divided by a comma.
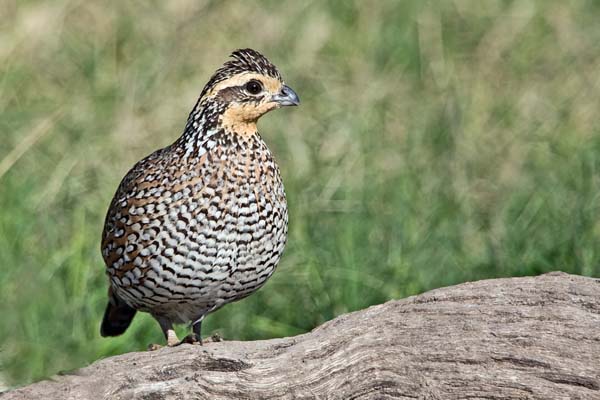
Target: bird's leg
{"x": 167, "y": 328}
{"x": 197, "y": 328}
{"x": 196, "y": 336}
{"x": 172, "y": 339}
{"x": 169, "y": 332}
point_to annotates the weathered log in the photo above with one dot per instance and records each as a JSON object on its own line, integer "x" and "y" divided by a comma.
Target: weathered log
{"x": 517, "y": 338}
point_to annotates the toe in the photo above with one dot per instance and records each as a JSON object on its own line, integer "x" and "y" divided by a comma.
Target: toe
{"x": 192, "y": 338}
{"x": 154, "y": 347}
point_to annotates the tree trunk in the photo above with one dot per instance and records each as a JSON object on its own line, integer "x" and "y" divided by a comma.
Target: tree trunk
{"x": 517, "y": 338}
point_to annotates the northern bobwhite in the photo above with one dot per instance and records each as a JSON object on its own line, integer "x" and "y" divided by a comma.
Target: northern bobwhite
{"x": 202, "y": 222}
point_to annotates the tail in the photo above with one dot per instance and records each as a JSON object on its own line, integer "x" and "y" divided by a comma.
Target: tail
{"x": 117, "y": 317}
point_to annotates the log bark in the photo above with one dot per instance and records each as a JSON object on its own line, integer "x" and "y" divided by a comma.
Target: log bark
{"x": 516, "y": 338}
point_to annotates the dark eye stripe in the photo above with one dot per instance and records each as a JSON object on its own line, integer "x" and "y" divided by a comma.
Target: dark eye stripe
{"x": 239, "y": 94}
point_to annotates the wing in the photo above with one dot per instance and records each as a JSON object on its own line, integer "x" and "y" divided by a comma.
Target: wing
{"x": 148, "y": 202}
{"x": 134, "y": 207}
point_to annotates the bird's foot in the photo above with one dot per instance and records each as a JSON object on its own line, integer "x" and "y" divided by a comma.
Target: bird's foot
{"x": 192, "y": 338}
{"x": 154, "y": 347}
{"x": 215, "y": 337}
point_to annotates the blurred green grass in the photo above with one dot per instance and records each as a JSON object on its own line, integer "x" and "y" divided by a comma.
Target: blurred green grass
{"x": 437, "y": 142}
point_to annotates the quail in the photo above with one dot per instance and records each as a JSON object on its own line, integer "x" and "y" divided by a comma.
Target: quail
{"x": 202, "y": 222}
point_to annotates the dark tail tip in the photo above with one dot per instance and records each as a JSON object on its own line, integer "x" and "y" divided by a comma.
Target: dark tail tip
{"x": 116, "y": 319}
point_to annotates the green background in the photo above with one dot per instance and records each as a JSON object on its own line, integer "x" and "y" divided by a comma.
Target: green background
{"x": 436, "y": 143}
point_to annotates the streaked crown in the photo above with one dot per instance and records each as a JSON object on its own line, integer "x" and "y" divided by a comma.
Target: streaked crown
{"x": 243, "y": 61}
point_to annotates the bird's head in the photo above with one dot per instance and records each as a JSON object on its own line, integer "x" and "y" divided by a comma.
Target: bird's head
{"x": 243, "y": 89}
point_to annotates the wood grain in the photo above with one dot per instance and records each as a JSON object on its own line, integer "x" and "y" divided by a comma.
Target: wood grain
{"x": 517, "y": 338}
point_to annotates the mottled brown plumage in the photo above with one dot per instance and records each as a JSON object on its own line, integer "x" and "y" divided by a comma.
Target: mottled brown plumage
{"x": 202, "y": 222}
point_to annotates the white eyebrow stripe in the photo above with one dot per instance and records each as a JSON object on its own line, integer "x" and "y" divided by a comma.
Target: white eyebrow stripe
{"x": 273, "y": 85}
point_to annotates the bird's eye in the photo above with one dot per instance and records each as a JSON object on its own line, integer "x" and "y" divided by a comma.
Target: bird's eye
{"x": 254, "y": 87}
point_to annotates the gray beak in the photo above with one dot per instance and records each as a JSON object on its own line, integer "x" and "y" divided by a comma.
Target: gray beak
{"x": 286, "y": 97}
